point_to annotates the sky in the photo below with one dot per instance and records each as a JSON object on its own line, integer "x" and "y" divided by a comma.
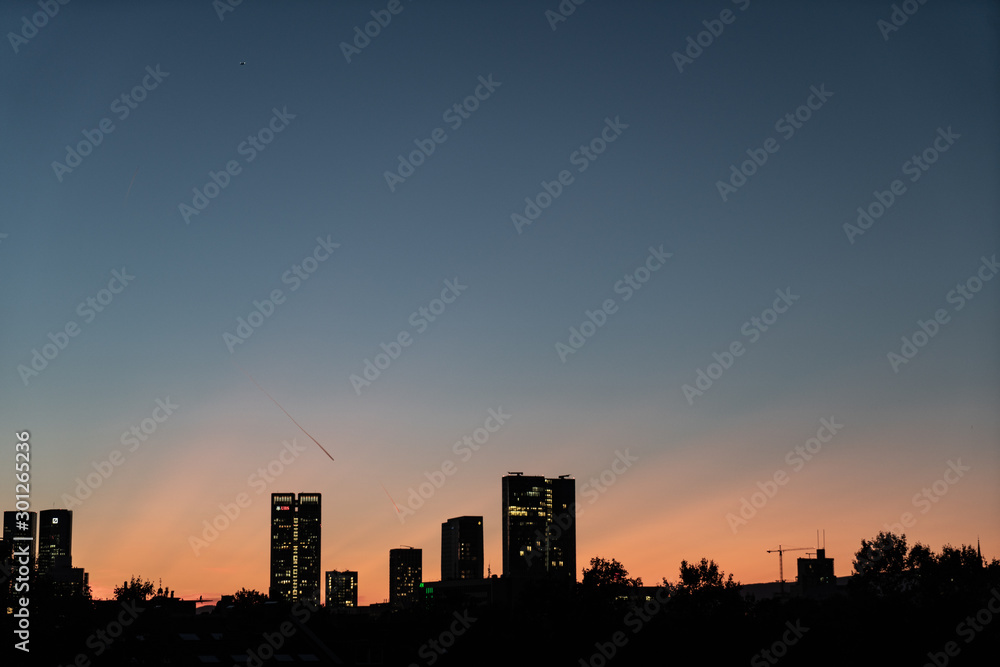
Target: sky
{"x": 630, "y": 230}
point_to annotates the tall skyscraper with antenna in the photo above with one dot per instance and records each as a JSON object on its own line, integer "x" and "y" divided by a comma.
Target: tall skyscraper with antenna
{"x": 295, "y": 546}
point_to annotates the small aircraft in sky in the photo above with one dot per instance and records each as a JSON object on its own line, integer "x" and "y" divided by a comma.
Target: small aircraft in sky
{"x": 243, "y": 62}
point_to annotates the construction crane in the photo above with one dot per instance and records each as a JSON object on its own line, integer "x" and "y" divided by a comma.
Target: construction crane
{"x": 781, "y": 566}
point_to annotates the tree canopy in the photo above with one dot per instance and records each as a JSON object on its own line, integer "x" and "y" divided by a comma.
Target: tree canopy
{"x": 137, "y": 589}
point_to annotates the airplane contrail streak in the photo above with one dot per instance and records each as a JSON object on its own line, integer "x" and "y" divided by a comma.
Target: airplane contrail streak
{"x": 131, "y": 182}
{"x": 284, "y": 410}
{"x": 390, "y": 497}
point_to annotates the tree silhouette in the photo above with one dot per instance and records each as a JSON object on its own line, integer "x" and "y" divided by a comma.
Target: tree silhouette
{"x": 704, "y": 588}
{"x": 136, "y": 589}
{"x": 607, "y": 585}
{"x": 880, "y": 565}
{"x": 245, "y": 599}
{"x": 704, "y": 576}
{"x": 608, "y": 573}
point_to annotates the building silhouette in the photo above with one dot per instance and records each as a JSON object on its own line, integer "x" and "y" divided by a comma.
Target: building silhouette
{"x": 816, "y": 573}
{"x": 405, "y": 575}
{"x": 539, "y": 526}
{"x": 462, "y": 548}
{"x": 295, "y": 546}
{"x": 9, "y": 546}
{"x": 341, "y": 589}
{"x": 55, "y": 540}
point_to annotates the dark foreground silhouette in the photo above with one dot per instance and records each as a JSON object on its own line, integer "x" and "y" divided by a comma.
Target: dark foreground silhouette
{"x": 902, "y": 606}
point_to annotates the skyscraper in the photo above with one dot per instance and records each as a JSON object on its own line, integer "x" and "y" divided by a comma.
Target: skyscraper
{"x": 405, "y": 575}
{"x": 295, "y": 546}
{"x": 55, "y": 540}
{"x": 539, "y": 526}
{"x": 341, "y": 589}
{"x": 10, "y": 545}
{"x": 462, "y": 548}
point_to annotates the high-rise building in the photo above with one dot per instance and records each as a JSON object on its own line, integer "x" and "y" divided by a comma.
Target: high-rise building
{"x": 406, "y": 572}
{"x": 295, "y": 546}
{"x": 816, "y": 573}
{"x": 341, "y": 589}
{"x": 307, "y": 537}
{"x": 462, "y": 548}
{"x": 55, "y": 540}
{"x": 539, "y": 526}
{"x": 13, "y": 528}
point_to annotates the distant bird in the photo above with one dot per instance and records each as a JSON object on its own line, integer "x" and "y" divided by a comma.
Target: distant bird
{"x": 243, "y": 62}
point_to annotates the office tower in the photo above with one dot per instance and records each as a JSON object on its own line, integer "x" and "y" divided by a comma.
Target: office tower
{"x": 10, "y": 546}
{"x": 308, "y": 532}
{"x": 462, "y": 548}
{"x": 816, "y": 572}
{"x": 341, "y": 589}
{"x": 295, "y": 546}
{"x": 12, "y": 530}
{"x": 539, "y": 526}
{"x": 405, "y": 575}
{"x": 55, "y": 540}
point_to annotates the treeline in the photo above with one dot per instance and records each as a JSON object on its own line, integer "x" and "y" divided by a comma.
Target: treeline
{"x": 904, "y": 605}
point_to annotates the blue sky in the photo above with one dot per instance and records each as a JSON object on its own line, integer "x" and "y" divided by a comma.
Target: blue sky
{"x": 323, "y": 176}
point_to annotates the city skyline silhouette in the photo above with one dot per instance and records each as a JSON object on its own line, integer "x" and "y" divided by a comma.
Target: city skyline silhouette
{"x": 731, "y": 267}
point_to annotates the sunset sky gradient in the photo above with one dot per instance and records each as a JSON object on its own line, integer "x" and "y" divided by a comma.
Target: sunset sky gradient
{"x": 494, "y": 346}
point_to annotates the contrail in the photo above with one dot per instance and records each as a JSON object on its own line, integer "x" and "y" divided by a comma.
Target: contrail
{"x": 390, "y": 497}
{"x": 131, "y": 182}
{"x": 284, "y": 410}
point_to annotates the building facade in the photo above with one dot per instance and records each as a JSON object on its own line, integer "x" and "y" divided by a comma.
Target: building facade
{"x": 462, "y": 548}
{"x": 9, "y": 547}
{"x": 341, "y": 589}
{"x": 539, "y": 526}
{"x": 406, "y": 573}
{"x": 296, "y": 525}
{"x": 55, "y": 540}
